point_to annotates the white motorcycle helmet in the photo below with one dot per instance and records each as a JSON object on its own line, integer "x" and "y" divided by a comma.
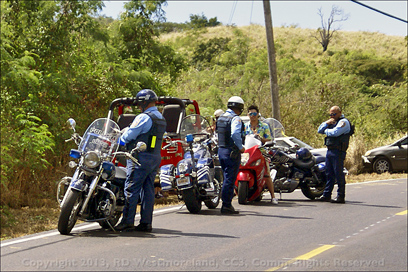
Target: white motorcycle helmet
{"x": 218, "y": 113}
{"x": 236, "y": 102}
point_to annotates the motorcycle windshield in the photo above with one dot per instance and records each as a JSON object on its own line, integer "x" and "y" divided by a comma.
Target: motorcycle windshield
{"x": 251, "y": 141}
{"x": 194, "y": 124}
{"x": 101, "y": 136}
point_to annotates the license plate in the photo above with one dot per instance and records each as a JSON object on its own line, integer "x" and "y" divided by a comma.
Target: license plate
{"x": 183, "y": 181}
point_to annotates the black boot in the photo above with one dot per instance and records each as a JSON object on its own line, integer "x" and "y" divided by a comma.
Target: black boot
{"x": 338, "y": 199}
{"x": 145, "y": 227}
{"x": 124, "y": 226}
{"x": 324, "y": 199}
{"x": 228, "y": 210}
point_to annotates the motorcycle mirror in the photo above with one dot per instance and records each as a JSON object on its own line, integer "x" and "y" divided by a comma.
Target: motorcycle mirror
{"x": 71, "y": 122}
{"x": 141, "y": 146}
{"x": 189, "y": 138}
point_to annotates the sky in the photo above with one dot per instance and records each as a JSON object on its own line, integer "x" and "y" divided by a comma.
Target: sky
{"x": 303, "y": 14}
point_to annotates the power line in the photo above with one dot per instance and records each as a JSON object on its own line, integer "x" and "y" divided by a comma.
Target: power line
{"x": 392, "y": 16}
{"x": 252, "y": 7}
{"x": 234, "y": 5}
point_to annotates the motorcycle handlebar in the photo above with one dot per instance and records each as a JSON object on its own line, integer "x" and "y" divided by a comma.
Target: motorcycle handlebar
{"x": 172, "y": 144}
{"x": 75, "y": 137}
{"x": 128, "y": 155}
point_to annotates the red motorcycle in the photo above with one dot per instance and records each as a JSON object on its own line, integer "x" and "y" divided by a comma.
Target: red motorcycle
{"x": 250, "y": 182}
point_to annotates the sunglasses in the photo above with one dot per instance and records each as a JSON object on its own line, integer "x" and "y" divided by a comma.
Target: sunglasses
{"x": 253, "y": 114}
{"x": 332, "y": 114}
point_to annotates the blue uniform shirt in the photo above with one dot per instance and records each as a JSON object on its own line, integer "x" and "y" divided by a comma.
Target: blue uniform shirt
{"x": 140, "y": 125}
{"x": 342, "y": 127}
{"x": 236, "y": 128}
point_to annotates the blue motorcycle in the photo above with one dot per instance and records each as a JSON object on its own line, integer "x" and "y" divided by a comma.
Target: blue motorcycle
{"x": 95, "y": 192}
{"x": 292, "y": 169}
{"x": 198, "y": 176}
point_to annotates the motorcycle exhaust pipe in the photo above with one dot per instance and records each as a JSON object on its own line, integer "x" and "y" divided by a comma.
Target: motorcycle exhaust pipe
{"x": 208, "y": 192}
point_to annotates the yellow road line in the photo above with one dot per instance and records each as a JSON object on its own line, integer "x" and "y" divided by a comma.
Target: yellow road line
{"x": 303, "y": 257}
{"x": 402, "y": 213}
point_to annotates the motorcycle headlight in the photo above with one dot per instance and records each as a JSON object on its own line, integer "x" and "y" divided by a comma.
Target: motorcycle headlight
{"x": 91, "y": 159}
{"x": 244, "y": 158}
{"x": 182, "y": 167}
{"x": 367, "y": 153}
{"x": 256, "y": 163}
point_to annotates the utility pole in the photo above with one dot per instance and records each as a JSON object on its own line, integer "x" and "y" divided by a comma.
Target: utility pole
{"x": 273, "y": 77}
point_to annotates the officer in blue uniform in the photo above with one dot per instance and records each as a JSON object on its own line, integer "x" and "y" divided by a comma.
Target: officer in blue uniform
{"x": 337, "y": 130}
{"x": 148, "y": 127}
{"x": 230, "y": 131}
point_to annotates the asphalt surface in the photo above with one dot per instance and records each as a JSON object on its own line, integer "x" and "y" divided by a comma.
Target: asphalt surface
{"x": 368, "y": 233}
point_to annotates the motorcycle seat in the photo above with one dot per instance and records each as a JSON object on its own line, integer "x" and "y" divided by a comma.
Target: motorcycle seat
{"x": 308, "y": 164}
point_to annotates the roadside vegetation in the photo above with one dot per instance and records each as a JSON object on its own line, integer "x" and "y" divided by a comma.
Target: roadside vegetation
{"x": 59, "y": 59}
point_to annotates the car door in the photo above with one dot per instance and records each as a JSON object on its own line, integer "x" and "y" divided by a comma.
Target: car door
{"x": 399, "y": 155}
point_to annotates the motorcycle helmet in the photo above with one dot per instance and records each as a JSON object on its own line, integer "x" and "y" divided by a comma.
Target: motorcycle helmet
{"x": 303, "y": 154}
{"x": 236, "y": 102}
{"x": 145, "y": 97}
{"x": 218, "y": 113}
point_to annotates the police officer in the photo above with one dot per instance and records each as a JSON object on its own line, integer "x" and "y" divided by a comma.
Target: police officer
{"x": 337, "y": 130}
{"x": 230, "y": 140}
{"x": 148, "y": 127}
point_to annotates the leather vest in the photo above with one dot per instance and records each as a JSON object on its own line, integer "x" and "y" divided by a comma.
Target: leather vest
{"x": 224, "y": 132}
{"x": 154, "y": 137}
{"x": 340, "y": 142}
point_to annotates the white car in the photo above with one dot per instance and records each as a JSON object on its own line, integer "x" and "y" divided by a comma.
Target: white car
{"x": 295, "y": 142}
{"x": 284, "y": 141}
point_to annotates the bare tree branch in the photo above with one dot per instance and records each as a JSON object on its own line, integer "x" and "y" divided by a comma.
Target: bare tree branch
{"x": 328, "y": 29}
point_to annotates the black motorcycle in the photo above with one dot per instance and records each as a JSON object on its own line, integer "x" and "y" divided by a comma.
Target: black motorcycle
{"x": 292, "y": 169}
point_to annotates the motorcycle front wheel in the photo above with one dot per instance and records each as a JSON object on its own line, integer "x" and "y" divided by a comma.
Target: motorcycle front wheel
{"x": 312, "y": 192}
{"x": 190, "y": 197}
{"x": 69, "y": 212}
{"x": 243, "y": 192}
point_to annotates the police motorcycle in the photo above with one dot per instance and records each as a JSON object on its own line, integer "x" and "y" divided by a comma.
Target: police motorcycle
{"x": 196, "y": 177}
{"x": 95, "y": 192}
{"x": 297, "y": 168}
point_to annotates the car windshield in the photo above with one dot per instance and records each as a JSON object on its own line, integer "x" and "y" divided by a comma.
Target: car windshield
{"x": 402, "y": 141}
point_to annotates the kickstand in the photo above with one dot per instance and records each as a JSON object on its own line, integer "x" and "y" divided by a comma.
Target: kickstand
{"x": 182, "y": 206}
{"x": 280, "y": 195}
{"x": 110, "y": 225}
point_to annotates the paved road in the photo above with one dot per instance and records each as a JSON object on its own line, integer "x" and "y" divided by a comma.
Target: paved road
{"x": 369, "y": 232}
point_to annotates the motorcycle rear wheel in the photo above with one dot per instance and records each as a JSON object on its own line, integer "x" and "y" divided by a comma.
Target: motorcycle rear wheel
{"x": 312, "y": 192}
{"x": 69, "y": 212}
{"x": 190, "y": 197}
{"x": 243, "y": 192}
{"x": 213, "y": 202}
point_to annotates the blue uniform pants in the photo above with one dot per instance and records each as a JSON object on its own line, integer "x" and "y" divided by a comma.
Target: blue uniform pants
{"x": 230, "y": 168}
{"x": 334, "y": 172}
{"x": 140, "y": 183}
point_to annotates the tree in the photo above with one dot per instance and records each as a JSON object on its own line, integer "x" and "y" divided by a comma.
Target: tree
{"x": 200, "y": 21}
{"x": 326, "y": 32}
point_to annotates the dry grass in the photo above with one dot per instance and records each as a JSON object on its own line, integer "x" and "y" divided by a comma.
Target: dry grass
{"x": 19, "y": 222}
{"x": 374, "y": 176}
{"x": 303, "y": 41}
{"x": 25, "y": 221}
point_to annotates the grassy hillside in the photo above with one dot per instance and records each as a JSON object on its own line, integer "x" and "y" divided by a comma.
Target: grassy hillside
{"x": 364, "y": 73}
